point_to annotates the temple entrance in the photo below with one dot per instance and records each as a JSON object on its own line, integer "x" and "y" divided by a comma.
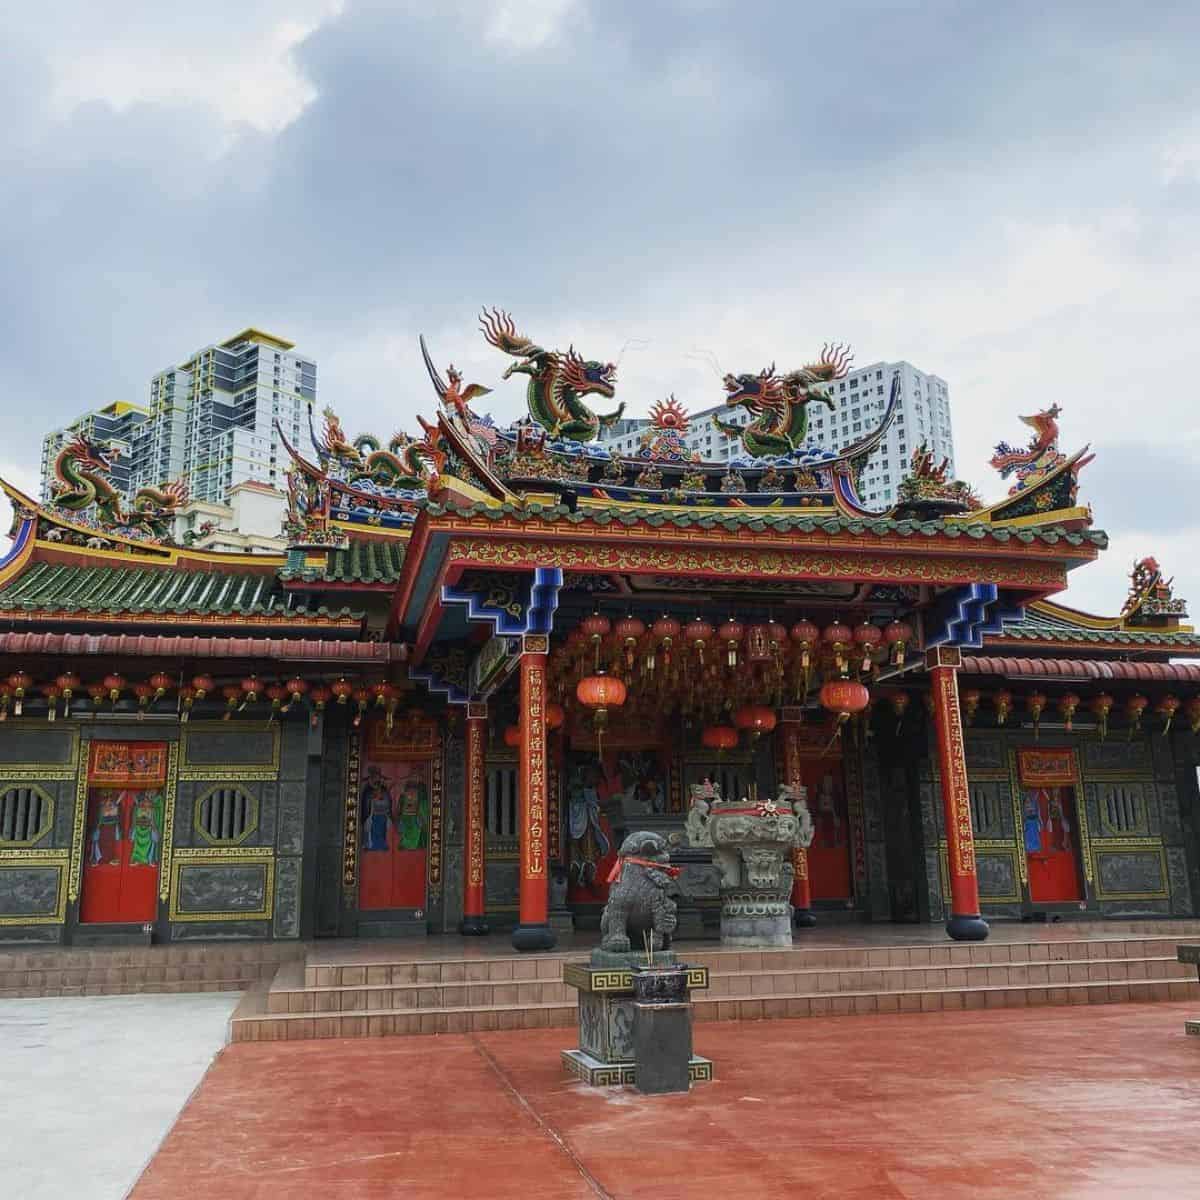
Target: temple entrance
{"x": 1050, "y": 845}
{"x": 123, "y": 845}
{"x": 394, "y": 815}
{"x": 829, "y": 854}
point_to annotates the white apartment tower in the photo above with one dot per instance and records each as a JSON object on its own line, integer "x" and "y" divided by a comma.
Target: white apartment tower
{"x": 212, "y": 419}
{"x": 859, "y": 404}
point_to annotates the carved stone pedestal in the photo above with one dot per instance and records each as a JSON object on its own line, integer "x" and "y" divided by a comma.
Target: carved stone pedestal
{"x": 607, "y": 1051}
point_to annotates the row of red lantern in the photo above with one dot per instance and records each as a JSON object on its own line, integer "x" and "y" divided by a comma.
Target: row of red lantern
{"x": 1100, "y": 705}
{"x": 19, "y": 687}
{"x": 762, "y": 641}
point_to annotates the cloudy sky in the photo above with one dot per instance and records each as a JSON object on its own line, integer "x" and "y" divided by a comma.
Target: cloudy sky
{"x": 1005, "y": 195}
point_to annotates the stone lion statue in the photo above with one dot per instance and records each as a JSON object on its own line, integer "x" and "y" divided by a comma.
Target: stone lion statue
{"x": 638, "y": 900}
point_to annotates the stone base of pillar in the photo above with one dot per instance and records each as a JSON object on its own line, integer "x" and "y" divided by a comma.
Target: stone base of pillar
{"x": 531, "y": 938}
{"x": 967, "y": 929}
{"x": 473, "y": 926}
{"x": 802, "y": 918}
{"x": 754, "y": 918}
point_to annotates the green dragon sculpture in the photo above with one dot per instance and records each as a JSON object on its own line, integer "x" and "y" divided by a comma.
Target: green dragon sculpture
{"x": 779, "y": 403}
{"x": 81, "y": 473}
{"x": 406, "y": 463}
{"x": 557, "y": 382}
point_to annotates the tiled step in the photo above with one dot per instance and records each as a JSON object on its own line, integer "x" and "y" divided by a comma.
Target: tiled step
{"x": 258, "y": 1025}
{"x": 288, "y": 994}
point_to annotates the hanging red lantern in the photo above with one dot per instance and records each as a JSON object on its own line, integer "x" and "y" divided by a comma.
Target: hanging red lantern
{"x": 512, "y": 736}
{"x": 53, "y": 691}
{"x": 233, "y": 697}
{"x": 114, "y": 685}
{"x": 144, "y": 692}
{"x": 1134, "y": 707}
{"x": 1101, "y": 705}
{"x": 20, "y": 682}
{"x": 296, "y": 687}
{"x": 1166, "y": 708}
{"x": 96, "y": 695}
{"x": 867, "y": 637}
{"x": 187, "y": 697}
{"x": 844, "y": 697}
{"x": 804, "y": 635}
{"x": 1004, "y": 702}
{"x": 698, "y": 632}
{"x": 251, "y": 687}
{"x": 1067, "y": 704}
{"x": 276, "y": 694}
{"x": 362, "y": 698}
{"x": 596, "y": 628}
{"x": 381, "y": 692}
{"x": 68, "y": 685}
{"x": 838, "y": 638}
{"x": 600, "y": 692}
{"x": 900, "y": 702}
{"x": 203, "y": 685}
{"x": 1193, "y": 714}
{"x": 731, "y": 633}
{"x": 719, "y": 738}
{"x": 160, "y": 681}
{"x": 555, "y": 716}
{"x": 343, "y": 689}
{"x": 756, "y": 719}
{"x": 628, "y": 630}
{"x": 666, "y": 630}
{"x": 1036, "y": 703}
{"x": 970, "y": 702}
{"x": 897, "y": 634}
{"x": 320, "y": 696}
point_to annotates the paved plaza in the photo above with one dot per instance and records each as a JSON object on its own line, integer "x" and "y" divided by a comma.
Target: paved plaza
{"x": 91, "y": 1085}
{"x": 1050, "y": 1103}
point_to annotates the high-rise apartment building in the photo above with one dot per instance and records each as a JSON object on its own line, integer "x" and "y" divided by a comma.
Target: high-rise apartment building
{"x": 859, "y": 404}
{"x": 118, "y": 423}
{"x": 212, "y": 419}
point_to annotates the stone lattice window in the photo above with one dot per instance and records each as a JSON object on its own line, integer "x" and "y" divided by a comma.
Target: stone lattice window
{"x": 502, "y": 801}
{"x": 26, "y": 814}
{"x": 226, "y": 815}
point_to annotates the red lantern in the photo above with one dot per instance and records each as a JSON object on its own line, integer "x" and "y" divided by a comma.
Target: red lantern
{"x": 343, "y": 689}
{"x": 251, "y": 685}
{"x": 296, "y": 687}
{"x": 731, "y": 633}
{"x": 512, "y": 736}
{"x": 838, "y": 637}
{"x": 381, "y": 692}
{"x": 804, "y": 634}
{"x": 276, "y": 694}
{"x": 970, "y": 701}
{"x": 114, "y": 685}
{"x": 1004, "y": 700}
{"x": 320, "y": 696}
{"x": 362, "y": 698}
{"x": 1101, "y": 705}
{"x": 600, "y": 692}
{"x": 203, "y": 685}
{"x": 144, "y": 693}
{"x": 53, "y": 691}
{"x": 596, "y": 627}
{"x": 1166, "y": 708}
{"x": 187, "y": 696}
{"x": 68, "y": 685}
{"x": 233, "y": 697}
{"x": 1036, "y": 703}
{"x": 1067, "y": 704}
{"x": 698, "y": 633}
{"x": 867, "y": 637}
{"x": 96, "y": 694}
{"x": 719, "y": 738}
{"x": 160, "y": 681}
{"x": 629, "y": 629}
{"x": 665, "y": 630}
{"x": 756, "y": 718}
{"x": 1134, "y": 707}
{"x": 897, "y": 634}
{"x": 845, "y": 697}
{"x": 1193, "y": 714}
{"x": 555, "y": 716}
{"x": 20, "y": 682}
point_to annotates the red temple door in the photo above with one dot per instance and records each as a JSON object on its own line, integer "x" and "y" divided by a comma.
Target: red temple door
{"x": 1050, "y": 841}
{"x": 121, "y": 856}
{"x": 394, "y": 859}
{"x": 829, "y": 855}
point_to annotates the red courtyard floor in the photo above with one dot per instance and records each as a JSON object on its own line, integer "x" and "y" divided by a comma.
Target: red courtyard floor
{"x": 1060, "y": 1103}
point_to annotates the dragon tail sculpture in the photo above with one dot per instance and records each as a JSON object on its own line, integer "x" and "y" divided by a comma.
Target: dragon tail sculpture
{"x": 557, "y": 381}
{"x": 154, "y": 508}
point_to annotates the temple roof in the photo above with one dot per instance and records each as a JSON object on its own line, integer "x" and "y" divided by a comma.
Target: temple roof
{"x": 361, "y": 561}
{"x": 48, "y": 588}
{"x": 1047, "y": 622}
{"x": 760, "y": 519}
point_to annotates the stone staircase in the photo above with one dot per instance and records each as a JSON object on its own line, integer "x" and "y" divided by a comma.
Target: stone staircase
{"x": 380, "y": 991}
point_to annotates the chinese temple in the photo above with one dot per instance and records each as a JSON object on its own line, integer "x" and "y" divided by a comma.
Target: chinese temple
{"x": 488, "y": 652}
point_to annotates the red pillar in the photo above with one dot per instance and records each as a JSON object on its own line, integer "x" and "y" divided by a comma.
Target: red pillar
{"x": 965, "y": 923}
{"x": 802, "y": 915}
{"x": 534, "y": 932}
{"x": 475, "y": 822}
